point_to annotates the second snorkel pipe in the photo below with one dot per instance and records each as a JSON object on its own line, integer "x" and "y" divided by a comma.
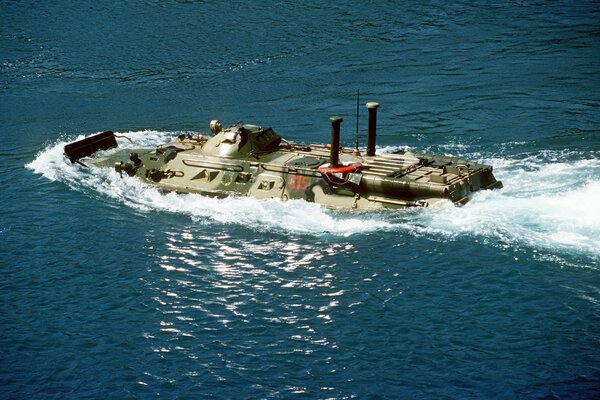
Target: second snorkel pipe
{"x": 372, "y": 132}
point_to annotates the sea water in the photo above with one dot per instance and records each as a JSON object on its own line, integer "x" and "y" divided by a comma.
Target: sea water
{"x": 110, "y": 288}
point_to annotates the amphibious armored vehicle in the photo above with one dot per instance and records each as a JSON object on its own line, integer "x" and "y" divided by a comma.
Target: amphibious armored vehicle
{"x": 249, "y": 160}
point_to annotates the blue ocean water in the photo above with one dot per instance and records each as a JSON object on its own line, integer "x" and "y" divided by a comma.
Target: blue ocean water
{"x": 111, "y": 289}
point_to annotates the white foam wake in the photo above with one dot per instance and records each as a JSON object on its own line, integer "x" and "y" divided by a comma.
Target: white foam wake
{"x": 545, "y": 204}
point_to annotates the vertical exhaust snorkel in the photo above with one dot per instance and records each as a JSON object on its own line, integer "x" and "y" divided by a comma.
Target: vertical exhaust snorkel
{"x": 372, "y": 133}
{"x": 334, "y": 157}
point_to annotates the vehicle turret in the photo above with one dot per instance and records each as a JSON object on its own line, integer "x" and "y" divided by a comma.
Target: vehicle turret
{"x": 241, "y": 141}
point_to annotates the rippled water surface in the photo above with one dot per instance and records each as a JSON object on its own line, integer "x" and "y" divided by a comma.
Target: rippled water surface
{"x": 112, "y": 289}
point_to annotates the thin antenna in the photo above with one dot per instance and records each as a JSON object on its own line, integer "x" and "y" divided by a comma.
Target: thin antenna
{"x": 357, "y": 102}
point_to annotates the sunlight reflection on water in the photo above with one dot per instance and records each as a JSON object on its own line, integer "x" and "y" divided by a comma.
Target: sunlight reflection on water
{"x": 235, "y": 287}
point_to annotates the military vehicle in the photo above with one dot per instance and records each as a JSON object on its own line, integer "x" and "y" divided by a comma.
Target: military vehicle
{"x": 249, "y": 160}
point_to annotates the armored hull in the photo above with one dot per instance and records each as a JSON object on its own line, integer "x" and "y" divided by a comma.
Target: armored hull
{"x": 248, "y": 160}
